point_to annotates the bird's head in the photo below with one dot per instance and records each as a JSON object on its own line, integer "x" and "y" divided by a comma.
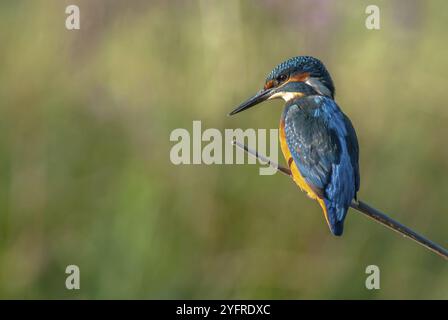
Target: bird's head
{"x": 293, "y": 78}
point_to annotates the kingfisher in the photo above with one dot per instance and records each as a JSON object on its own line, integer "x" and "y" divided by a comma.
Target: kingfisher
{"x": 317, "y": 139}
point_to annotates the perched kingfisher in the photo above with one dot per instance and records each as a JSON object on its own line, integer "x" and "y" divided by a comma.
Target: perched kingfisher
{"x": 317, "y": 139}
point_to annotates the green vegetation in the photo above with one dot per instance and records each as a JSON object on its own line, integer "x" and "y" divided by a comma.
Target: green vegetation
{"x": 85, "y": 118}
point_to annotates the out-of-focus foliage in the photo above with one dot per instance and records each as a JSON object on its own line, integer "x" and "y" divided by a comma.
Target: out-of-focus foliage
{"x": 85, "y": 118}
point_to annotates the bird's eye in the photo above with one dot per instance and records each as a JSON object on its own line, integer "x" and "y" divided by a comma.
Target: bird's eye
{"x": 281, "y": 78}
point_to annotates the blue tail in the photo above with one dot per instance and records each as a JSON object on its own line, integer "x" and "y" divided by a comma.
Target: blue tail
{"x": 338, "y": 228}
{"x": 336, "y": 216}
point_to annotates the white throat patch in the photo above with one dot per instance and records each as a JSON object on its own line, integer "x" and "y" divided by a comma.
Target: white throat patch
{"x": 318, "y": 86}
{"x": 286, "y": 96}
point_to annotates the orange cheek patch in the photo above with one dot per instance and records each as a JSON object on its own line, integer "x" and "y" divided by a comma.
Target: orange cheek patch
{"x": 299, "y": 77}
{"x": 269, "y": 85}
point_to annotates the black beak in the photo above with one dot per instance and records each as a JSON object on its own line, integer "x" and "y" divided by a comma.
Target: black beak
{"x": 261, "y": 96}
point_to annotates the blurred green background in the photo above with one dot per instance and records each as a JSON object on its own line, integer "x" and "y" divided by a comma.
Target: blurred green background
{"x": 86, "y": 179}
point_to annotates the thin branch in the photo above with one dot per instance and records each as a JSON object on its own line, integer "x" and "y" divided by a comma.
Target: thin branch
{"x": 363, "y": 208}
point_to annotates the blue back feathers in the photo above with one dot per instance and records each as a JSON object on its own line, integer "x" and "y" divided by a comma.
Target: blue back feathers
{"x": 324, "y": 147}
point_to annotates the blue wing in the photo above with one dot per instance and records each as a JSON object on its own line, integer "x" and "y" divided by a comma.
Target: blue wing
{"x": 324, "y": 147}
